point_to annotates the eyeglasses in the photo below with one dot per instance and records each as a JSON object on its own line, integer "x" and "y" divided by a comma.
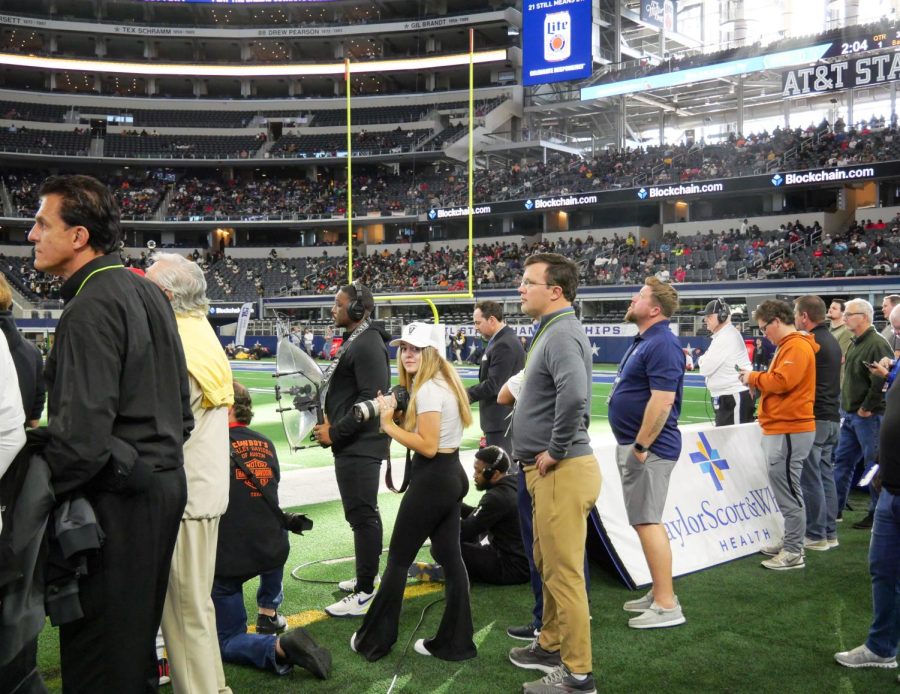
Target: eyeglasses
{"x": 528, "y": 283}
{"x": 854, "y": 313}
{"x": 765, "y": 327}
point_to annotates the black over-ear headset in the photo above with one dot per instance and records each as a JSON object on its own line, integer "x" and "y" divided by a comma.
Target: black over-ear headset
{"x": 723, "y": 310}
{"x": 356, "y": 310}
{"x": 499, "y": 455}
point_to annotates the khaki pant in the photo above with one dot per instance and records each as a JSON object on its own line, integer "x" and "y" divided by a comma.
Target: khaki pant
{"x": 189, "y": 618}
{"x": 562, "y": 500}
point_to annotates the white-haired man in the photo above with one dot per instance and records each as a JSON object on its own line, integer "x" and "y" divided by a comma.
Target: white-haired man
{"x": 189, "y": 621}
{"x": 862, "y": 400}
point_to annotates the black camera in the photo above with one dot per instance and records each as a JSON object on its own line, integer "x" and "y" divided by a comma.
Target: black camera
{"x": 297, "y": 523}
{"x": 364, "y": 411}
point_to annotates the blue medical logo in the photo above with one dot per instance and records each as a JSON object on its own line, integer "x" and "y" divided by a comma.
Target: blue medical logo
{"x": 432, "y": 214}
{"x": 529, "y": 204}
{"x": 709, "y": 461}
{"x": 642, "y": 193}
{"x": 777, "y": 180}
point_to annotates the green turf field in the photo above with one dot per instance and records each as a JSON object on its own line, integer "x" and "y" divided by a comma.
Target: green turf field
{"x": 748, "y": 629}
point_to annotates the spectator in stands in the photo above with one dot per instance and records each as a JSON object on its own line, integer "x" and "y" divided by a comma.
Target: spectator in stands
{"x": 786, "y": 416}
{"x": 254, "y": 542}
{"x": 817, "y": 478}
{"x": 862, "y": 400}
{"x": 188, "y": 619}
{"x": 27, "y": 358}
{"x": 644, "y": 407}
{"x": 139, "y": 397}
{"x": 727, "y": 354}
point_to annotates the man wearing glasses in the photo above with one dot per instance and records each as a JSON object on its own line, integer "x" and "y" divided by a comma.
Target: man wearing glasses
{"x": 788, "y": 391}
{"x": 862, "y": 400}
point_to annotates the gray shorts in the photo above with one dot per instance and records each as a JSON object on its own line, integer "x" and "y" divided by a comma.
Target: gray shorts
{"x": 644, "y": 485}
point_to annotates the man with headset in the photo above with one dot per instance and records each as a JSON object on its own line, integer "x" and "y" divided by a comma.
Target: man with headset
{"x": 359, "y": 370}
{"x": 722, "y": 364}
{"x": 502, "y": 560}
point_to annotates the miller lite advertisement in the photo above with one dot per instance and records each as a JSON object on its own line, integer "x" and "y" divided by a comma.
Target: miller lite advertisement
{"x": 556, "y": 41}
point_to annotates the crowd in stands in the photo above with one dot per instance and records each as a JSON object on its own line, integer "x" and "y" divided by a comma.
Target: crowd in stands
{"x": 792, "y": 251}
{"x": 444, "y": 184}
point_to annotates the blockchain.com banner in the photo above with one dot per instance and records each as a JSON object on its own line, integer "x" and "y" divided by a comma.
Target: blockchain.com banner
{"x": 556, "y": 40}
{"x": 720, "y": 505}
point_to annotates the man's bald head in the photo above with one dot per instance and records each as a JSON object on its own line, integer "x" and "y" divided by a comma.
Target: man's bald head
{"x": 895, "y": 318}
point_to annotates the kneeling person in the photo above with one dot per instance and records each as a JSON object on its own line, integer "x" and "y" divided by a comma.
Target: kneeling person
{"x": 253, "y": 542}
{"x": 502, "y": 561}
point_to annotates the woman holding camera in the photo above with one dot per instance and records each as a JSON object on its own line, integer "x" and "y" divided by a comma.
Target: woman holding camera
{"x": 431, "y": 428}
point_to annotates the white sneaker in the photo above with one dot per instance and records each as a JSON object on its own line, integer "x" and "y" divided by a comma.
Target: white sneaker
{"x": 354, "y": 605}
{"x": 833, "y": 542}
{"x": 785, "y": 561}
{"x": 349, "y": 586}
{"x": 353, "y": 643}
{"x": 419, "y": 647}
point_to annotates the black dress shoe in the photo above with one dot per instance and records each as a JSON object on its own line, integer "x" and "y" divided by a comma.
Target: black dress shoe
{"x": 865, "y": 523}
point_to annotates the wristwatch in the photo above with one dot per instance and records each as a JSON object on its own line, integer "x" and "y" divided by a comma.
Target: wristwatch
{"x": 639, "y": 448}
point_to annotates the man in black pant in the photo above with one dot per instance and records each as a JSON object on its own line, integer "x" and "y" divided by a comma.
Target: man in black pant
{"x": 502, "y": 561}
{"x": 503, "y": 357}
{"x": 119, "y": 414}
{"x": 358, "y": 372}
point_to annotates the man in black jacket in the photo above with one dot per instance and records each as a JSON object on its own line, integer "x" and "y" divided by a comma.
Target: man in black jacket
{"x": 817, "y": 478}
{"x": 503, "y": 357}
{"x": 27, "y": 358}
{"x": 119, "y": 414}
{"x": 358, "y": 372}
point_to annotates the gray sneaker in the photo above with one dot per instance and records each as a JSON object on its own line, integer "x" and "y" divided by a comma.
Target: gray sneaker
{"x": 657, "y": 617}
{"x": 772, "y": 550}
{"x": 816, "y": 545}
{"x": 639, "y": 604}
{"x": 784, "y": 561}
{"x": 534, "y": 657}
{"x": 861, "y": 656}
{"x": 560, "y": 680}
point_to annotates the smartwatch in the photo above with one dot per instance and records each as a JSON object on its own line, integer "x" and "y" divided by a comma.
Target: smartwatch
{"x": 639, "y": 448}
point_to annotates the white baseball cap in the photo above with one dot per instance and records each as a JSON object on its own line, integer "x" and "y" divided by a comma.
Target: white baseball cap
{"x": 422, "y": 335}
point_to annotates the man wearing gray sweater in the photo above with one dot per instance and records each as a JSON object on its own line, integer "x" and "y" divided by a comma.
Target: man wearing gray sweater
{"x": 551, "y": 444}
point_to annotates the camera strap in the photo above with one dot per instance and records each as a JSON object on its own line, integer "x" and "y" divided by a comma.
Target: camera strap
{"x": 329, "y": 372}
{"x": 270, "y": 502}
{"x": 389, "y": 479}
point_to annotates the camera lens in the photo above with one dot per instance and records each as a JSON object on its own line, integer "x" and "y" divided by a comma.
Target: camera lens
{"x": 364, "y": 411}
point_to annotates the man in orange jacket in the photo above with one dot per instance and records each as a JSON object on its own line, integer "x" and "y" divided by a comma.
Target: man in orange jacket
{"x": 788, "y": 391}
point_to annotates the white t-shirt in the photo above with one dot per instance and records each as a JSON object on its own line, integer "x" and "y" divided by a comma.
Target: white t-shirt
{"x": 12, "y": 416}
{"x": 435, "y": 396}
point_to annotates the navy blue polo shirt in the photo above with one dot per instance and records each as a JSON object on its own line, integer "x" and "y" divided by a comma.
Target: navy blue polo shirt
{"x": 654, "y": 361}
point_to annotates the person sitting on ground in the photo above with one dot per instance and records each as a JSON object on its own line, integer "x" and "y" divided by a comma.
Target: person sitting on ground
{"x": 502, "y": 560}
{"x": 253, "y": 542}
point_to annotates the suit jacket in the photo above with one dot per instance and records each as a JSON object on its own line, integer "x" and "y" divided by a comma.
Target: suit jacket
{"x": 503, "y": 357}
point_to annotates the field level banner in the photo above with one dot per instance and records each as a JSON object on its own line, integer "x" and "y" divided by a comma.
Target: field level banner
{"x": 720, "y": 505}
{"x": 556, "y": 40}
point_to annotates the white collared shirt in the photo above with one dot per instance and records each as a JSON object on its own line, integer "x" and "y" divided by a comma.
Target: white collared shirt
{"x": 717, "y": 365}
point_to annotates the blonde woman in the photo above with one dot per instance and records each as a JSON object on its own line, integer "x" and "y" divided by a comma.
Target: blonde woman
{"x": 431, "y": 428}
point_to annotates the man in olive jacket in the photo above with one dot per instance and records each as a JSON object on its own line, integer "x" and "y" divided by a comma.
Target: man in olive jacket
{"x": 863, "y": 402}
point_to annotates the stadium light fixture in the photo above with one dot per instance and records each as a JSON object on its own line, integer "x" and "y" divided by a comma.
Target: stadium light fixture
{"x": 286, "y": 70}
